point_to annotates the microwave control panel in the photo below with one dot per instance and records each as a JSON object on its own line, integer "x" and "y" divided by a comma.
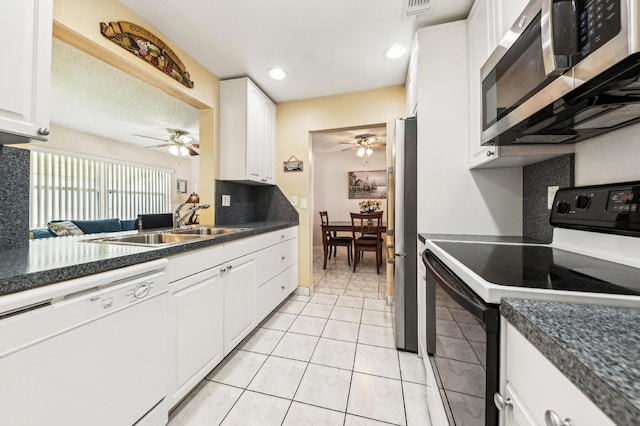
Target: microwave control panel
{"x": 613, "y": 208}
{"x": 598, "y": 22}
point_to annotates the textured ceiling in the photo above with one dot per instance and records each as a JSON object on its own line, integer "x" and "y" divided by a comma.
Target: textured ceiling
{"x": 345, "y": 139}
{"x": 326, "y": 46}
{"x": 93, "y": 97}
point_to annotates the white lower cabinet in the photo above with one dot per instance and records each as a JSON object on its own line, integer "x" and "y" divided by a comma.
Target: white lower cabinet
{"x": 516, "y": 414}
{"x": 197, "y": 309}
{"x": 239, "y": 281}
{"x": 219, "y": 295}
{"x": 274, "y": 291}
{"x": 531, "y": 385}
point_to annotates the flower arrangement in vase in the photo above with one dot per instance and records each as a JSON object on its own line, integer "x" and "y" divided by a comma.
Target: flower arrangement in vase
{"x": 369, "y": 206}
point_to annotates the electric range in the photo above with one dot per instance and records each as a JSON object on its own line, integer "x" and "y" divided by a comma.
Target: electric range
{"x": 594, "y": 258}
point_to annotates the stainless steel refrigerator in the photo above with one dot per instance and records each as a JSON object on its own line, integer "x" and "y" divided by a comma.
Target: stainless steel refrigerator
{"x": 405, "y": 234}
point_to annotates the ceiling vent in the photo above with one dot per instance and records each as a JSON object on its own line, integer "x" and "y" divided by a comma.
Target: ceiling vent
{"x": 415, "y": 8}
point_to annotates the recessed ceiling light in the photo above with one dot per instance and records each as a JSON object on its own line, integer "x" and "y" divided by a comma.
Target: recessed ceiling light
{"x": 395, "y": 51}
{"x": 277, "y": 73}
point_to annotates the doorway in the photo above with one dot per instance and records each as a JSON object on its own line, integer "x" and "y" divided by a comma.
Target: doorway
{"x": 349, "y": 167}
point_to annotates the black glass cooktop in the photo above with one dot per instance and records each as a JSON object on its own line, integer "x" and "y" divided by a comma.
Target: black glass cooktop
{"x": 538, "y": 266}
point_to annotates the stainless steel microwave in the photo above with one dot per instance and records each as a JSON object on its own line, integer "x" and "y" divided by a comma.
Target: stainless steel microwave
{"x": 567, "y": 70}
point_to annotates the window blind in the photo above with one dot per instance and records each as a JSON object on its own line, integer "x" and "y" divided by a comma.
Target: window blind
{"x": 72, "y": 187}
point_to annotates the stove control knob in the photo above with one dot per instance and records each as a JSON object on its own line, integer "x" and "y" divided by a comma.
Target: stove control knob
{"x": 563, "y": 207}
{"x": 583, "y": 202}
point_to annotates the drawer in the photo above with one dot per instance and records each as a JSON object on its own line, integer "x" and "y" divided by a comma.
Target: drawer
{"x": 540, "y": 386}
{"x": 275, "y": 259}
{"x": 272, "y": 293}
{"x": 279, "y": 236}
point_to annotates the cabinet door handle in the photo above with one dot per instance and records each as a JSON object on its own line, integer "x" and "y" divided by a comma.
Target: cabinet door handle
{"x": 490, "y": 153}
{"x": 229, "y": 267}
{"x": 502, "y": 403}
{"x": 43, "y": 131}
{"x": 282, "y": 287}
{"x": 282, "y": 237}
{"x": 223, "y": 270}
{"x": 551, "y": 418}
{"x": 281, "y": 257}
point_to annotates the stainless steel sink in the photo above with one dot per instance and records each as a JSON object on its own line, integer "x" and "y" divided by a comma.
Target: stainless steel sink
{"x": 156, "y": 239}
{"x": 206, "y": 230}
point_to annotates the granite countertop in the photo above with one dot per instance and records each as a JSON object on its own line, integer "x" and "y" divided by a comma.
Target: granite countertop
{"x": 51, "y": 260}
{"x": 596, "y": 347}
{"x": 478, "y": 238}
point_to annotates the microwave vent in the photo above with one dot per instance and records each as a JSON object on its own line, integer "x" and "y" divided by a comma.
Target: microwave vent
{"x": 416, "y": 7}
{"x": 612, "y": 118}
{"x": 543, "y": 138}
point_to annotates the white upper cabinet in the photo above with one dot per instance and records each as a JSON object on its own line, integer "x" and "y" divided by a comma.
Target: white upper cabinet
{"x": 25, "y": 37}
{"x": 509, "y": 12}
{"x": 247, "y": 132}
{"x": 480, "y": 44}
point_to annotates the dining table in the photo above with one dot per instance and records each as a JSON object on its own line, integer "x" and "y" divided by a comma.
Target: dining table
{"x": 345, "y": 226}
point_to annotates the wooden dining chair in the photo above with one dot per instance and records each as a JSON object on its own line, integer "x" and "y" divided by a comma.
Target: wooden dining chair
{"x": 331, "y": 241}
{"x": 367, "y": 236}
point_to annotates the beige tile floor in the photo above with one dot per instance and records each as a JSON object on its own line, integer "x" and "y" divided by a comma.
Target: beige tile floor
{"x": 340, "y": 279}
{"x": 328, "y": 359}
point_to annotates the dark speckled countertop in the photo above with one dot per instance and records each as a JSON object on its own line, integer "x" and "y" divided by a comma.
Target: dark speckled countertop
{"x": 596, "y": 347}
{"x": 52, "y": 260}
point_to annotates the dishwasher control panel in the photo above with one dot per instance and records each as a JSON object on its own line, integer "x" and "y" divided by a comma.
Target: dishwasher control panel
{"x": 122, "y": 294}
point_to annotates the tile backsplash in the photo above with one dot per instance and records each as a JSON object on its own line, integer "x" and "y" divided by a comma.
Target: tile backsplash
{"x": 14, "y": 197}
{"x": 536, "y": 179}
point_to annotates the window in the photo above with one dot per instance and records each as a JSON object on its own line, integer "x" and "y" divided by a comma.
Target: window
{"x": 74, "y": 187}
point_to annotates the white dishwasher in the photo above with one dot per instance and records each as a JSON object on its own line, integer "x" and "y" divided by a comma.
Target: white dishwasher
{"x": 90, "y": 351}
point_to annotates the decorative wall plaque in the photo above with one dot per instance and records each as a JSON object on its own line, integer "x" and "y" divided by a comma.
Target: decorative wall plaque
{"x": 293, "y": 165}
{"x": 148, "y": 47}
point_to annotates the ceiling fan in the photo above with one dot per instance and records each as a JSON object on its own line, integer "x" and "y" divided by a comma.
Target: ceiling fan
{"x": 364, "y": 145}
{"x": 179, "y": 143}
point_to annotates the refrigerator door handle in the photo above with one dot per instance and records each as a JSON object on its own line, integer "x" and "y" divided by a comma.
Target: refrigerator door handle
{"x": 401, "y": 254}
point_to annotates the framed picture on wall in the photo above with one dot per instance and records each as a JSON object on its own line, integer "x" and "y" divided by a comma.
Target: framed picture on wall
{"x": 370, "y": 184}
{"x": 182, "y": 186}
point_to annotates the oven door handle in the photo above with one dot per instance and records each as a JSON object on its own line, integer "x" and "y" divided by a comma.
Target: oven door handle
{"x": 466, "y": 301}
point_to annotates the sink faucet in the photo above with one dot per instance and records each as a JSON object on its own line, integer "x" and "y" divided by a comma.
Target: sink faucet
{"x": 178, "y": 220}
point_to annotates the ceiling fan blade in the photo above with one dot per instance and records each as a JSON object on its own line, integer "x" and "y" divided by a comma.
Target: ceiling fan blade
{"x": 191, "y": 150}
{"x": 159, "y": 146}
{"x": 151, "y": 137}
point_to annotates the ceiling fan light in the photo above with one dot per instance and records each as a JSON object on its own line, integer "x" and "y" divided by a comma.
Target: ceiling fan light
{"x": 395, "y": 51}
{"x": 360, "y": 152}
{"x": 173, "y": 150}
{"x": 371, "y": 140}
{"x": 369, "y": 152}
{"x": 184, "y": 151}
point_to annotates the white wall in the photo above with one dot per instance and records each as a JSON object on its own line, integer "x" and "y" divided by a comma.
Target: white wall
{"x": 610, "y": 158}
{"x": 451, "y": 198}
{"x": 67, "y": 140}
{"x": 331, "y": 185}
